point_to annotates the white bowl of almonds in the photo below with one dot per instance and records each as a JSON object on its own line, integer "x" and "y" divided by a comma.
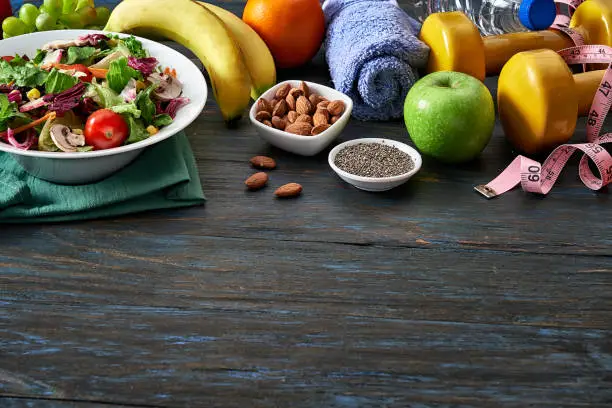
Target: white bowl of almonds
{"x": 301, "y": 117}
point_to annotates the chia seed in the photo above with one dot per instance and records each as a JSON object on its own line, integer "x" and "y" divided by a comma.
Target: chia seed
{"x": 373, "y": 160}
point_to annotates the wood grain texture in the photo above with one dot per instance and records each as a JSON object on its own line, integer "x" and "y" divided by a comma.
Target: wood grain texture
{"x": 21, "y": 402}
{"x": 425, "y": 296}
{"x": 209, "y": 323}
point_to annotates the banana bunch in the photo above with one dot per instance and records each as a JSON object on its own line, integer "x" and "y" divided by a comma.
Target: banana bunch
{"x": 238, "y": 62}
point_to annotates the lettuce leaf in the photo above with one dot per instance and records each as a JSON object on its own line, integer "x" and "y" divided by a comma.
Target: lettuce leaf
{"x": 162, "y": 120}
{"x": 58, "y": 82}
{"x": 146, "y": 105}
{"x": 9, "y": 111}
{"x": 135, "y": 47}
{"x": 119, "y": 73}
{"x": 80, "y": 55}
{"x": 137, "y": 129}
{"x": 39, "y": 57}
{"x": 103, "y": 95}
{"x": 23, "y": 75}
{"x": 129, "y": 108}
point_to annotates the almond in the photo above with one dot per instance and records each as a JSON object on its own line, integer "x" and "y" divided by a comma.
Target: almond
{"x": 267, "y": 123}
{"x": 334, "y": 119}
{"x": 319, "y": 129}
{"x": 292, "y": 116}
{"x": 283, "y": 91}
{"x": 335, "y": 108}
{"x": 322, "y": 105}
{"x": 314, "y": 99}
{"x": 304, "y": 88}
{"x": 304, "y": 118}
{"x": 280, "y": 108}
{"x": 296, "y": 93}
{"x": 321, "y": 117}
{"x": 256, "y": 181}
{"x": 290, "y": 102}
{"x": 263, "y": 115}
{"x": 263, "y": 162}
{"x": 299, "y": 128}
{"x": 264, "y": 105}
{"x": 278, "y": 122}
{"x": 303, "y": 106}
{"x": 288, "y": 190}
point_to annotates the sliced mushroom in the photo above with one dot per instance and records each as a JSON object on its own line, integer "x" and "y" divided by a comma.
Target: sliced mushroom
{"x": 58, "y": 45}
{"x": 168, "y": 87}
{"x": 65, "y": 139}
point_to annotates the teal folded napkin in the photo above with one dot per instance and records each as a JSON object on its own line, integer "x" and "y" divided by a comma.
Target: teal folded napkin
{"x": 163, "y": 176}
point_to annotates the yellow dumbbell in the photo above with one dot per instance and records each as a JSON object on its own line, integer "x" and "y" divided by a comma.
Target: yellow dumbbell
{"x": 539, "y": 99}
{"x": 456, "y": 43}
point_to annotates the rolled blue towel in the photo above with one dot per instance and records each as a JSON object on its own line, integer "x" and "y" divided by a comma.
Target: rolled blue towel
{"x": 373, "y": 53}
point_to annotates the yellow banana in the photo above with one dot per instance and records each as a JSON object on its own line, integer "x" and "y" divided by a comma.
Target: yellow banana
{"x": 257, "y": 55}
{"x": 202, "y": 32}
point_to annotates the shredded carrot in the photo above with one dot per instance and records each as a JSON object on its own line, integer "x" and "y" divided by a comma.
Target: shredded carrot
{"x": 171, "y": 72}
{"x": 48, "y": 115}
{"x": 98, "y": 72}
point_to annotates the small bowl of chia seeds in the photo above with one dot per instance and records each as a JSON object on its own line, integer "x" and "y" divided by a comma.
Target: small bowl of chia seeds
{"x": 373, "y": 164}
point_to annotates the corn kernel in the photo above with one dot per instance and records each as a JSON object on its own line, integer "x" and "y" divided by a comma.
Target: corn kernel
{"x": 152, "y": 130}
{"x": 140, "y": 85}
{"x": 33, "y": 94}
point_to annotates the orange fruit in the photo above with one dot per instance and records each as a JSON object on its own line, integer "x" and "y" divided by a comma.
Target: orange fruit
{"x": 292, "y": 29}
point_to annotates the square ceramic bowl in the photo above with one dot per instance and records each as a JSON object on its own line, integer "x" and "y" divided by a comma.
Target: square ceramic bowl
{"x": 298, "y": 144}
{"x": 87, "y": 167}
{"x": 375, "y": 183}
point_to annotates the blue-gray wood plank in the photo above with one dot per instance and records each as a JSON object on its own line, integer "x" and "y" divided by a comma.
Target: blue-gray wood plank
{"x": 426, "y": 296}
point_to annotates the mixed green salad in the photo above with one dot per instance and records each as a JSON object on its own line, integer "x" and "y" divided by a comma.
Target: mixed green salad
{"x": 92, "y": 93}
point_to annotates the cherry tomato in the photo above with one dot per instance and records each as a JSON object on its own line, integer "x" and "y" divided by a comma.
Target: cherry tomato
{"x": 105, "y": 129}
{"x": 78, "y": 67}
{"x": 8, "y": 58}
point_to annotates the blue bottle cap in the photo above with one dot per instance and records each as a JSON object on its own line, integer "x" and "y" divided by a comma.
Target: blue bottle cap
{"x": 537, "y": 14}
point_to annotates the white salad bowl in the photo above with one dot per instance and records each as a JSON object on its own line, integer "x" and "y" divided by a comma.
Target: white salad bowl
{"x": 87, "y": 167}
{"x": 376, "y": 183}
{"x": 303, "y": 145}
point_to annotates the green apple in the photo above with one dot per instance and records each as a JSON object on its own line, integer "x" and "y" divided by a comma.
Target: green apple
{"x": 449, "y": 116}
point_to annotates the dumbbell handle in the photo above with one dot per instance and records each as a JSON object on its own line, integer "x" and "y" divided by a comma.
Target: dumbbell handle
{"x": 499, "y": 48}
{"x": 586, "y": 84}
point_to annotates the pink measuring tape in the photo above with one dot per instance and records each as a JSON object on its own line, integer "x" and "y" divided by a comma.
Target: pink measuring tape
{"x": 540, "y": 178}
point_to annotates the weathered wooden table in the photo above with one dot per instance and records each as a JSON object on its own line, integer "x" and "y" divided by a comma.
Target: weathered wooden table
{"x": 425, "y": 296}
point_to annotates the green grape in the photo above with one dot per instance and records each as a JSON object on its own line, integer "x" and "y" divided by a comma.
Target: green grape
{"x": 53, "y": 7}
{"x": 88, "y": 15}
{"x": 69, "y": 6}
{"x": 44, "y": 22}
{"x": 102, "y": 15}
{"x": 28, "y": 13}
{"x": 14, "y": 26}
{"x": 61, "y": 26}
{"x": 83, "y": 3}
{"x": 72, "y": 20}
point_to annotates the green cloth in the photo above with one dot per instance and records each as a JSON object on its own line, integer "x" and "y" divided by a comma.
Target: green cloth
{"x": 163, "y": 176}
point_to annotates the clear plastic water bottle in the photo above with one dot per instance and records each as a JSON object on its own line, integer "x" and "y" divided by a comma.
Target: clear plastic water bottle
{"x": 493, "y": 16}
{"x": 511, "y": 16}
